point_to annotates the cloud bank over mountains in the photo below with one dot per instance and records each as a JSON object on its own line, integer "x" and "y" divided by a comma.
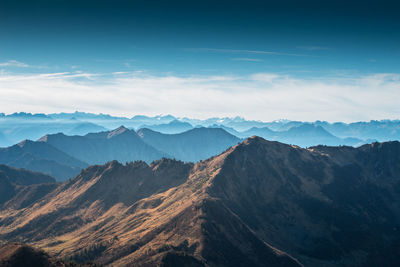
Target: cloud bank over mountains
{"x": 262, "y": 96}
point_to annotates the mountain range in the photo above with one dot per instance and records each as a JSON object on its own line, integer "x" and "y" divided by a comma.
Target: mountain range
{"x": 120, "y": 144}
{"x": 42, "y": 157}
{"x": 20, "y": 126}
{"x": 63, "y": 156}
{"x": 259, "y": 203}
{"x": 303, "y": 135}
{"x": 173, "y": 127}
{"x": 193, "y": 145}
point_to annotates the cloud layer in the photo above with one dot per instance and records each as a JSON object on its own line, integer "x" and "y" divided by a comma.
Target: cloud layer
{"x": 262, "y": 96}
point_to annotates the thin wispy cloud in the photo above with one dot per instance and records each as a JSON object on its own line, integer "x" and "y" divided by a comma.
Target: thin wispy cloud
{"x": 247, "y": 59}
{"x": 242, "y": 51}
{"x": 14, "y": 63}
{"x": 313, "y": 48}
{"x": 263, "y": 96}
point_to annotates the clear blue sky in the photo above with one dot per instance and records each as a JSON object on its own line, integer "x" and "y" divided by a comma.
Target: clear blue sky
{"x": 304, "y": 40}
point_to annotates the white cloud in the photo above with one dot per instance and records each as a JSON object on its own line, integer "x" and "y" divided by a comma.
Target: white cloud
{"x": 263, "y": 96}
{"x": 13, "y": 63}
{"x": 264, "y": 77}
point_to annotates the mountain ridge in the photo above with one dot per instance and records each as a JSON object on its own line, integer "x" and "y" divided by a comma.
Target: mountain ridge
{"x": 119, "y": 144}
{"x": 38, "y": 156}
{"x": 191, "y": 146}
{"x": 259, "y": 201}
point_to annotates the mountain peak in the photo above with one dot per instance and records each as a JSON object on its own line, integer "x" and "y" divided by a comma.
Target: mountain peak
{"x": 24, "y": 143}
{"x": 256, "y": 146}
{"x": 256, "y": 140}
{"x": 120, "y": 130}
{"x": 46, "y": 137}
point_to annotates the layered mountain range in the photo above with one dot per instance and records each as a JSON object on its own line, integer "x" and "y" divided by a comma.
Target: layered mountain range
{"x": 39, "y": 156}
{"x": 20, "y": 126}
{"x": 63, "y": 156}
{"x": 193, "y": 145}
{"x": 259, "y": 203}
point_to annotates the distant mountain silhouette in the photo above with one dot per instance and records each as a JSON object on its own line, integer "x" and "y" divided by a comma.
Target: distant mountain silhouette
{"x": 308, "y": 135}
{"x": 120, "y": 144}
{"x": 304, "y": 135}
{"x": 41, "y": 157}
{"x": 18, "y": 128}
{"x": 25, "y": 115}
{"x": 230, "y": 130}
{"x": 172, "y": 127}
{"x": 84, "y": 128}
{"x": 384, "y": 130}
{"x": 193, "y": 145}
{"x": 258, "y": 203}
{"x": 264, "y": 132}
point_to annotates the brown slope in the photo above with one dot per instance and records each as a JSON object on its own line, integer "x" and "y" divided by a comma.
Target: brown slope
{"x": 175, "y": 223}
{"x": 326, "y": 207}
{"x": 98, "y": 188}
{"x": 186, "y": 221}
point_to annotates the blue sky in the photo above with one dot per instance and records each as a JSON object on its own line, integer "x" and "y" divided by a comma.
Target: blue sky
{"x": 325, "y": 42}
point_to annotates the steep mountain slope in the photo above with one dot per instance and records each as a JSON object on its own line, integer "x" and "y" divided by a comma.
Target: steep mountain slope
{"x": 332, "y": 206}
{"x": 120, "y": 144}
{"x": 193, "y": 145}
{"x": 324, "y": 206}
{"x": 146, "y": 214}
{"x": 13, "y": 181}
{"x": 41, "y": 157}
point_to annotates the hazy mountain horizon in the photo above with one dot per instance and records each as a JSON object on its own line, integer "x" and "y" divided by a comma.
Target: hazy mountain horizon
{"x": 17, "y": 127}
